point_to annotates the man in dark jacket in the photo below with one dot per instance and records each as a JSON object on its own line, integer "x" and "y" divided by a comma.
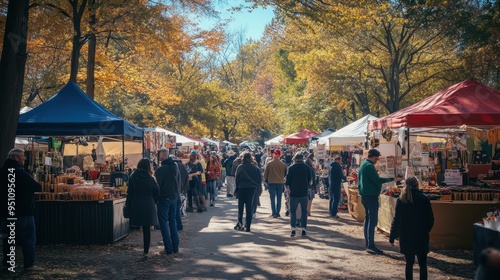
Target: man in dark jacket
{"x": 335, "y": 177}
{"x": 168, "y": 180}
{"x": 228, "y": 165}
{"x": 17, "y": 211}
{"x": 298, "y": 180}
{"x": 184, "y": 183}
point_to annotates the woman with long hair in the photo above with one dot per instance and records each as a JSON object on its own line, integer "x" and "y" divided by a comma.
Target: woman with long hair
{"x": 248, "y": 178}
{"x": 412, "y": 223}
{"x": 213, "y": 175}
{"x": 142, "y": 195}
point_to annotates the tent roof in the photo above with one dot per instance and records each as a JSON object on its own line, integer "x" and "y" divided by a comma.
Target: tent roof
{"x": 71, "y": 112}
{"x": 468, "y": 102}
{"x": 210, "y": 141}
{"x": 274, "y": 141}
{"x": 350, "y": 134}
{"x": 300, "y": 137}
{"x": 328, "y": 131}
{"x": 185, "y": 141}
{"x": 229, "y": 143}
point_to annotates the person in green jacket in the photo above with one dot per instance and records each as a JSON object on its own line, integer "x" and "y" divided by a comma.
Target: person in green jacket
{"x": 370, "y": 185}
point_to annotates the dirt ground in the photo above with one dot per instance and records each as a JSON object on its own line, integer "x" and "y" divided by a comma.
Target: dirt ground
{"x": 211, "y": 249}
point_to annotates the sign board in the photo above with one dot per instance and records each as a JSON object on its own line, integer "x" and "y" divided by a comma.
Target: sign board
{"x": 320, "y": 151}
{"x": 453, "y": 177}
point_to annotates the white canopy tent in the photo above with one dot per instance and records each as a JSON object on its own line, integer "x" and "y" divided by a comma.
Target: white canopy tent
{"x": 210, "y": 141}
{"x": 185, "y": 141}
{"x": 351, "y": 134}
{"x": 229, "y": 143}
{"x": 276, "y": 141}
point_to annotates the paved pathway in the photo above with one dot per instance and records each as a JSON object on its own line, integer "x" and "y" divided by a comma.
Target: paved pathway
{"x": 333, "y": 249}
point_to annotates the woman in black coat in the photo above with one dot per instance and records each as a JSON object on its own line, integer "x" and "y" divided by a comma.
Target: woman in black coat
{"x": 248, "y": 179}
{"x": 412, "y": 223}
{"x": 142, "y": 195}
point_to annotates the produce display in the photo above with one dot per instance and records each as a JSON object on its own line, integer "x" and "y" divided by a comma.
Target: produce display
{"x": 453, "y": 193}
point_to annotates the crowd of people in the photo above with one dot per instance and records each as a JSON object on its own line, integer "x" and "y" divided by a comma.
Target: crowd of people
{"x": 160, "y": 198}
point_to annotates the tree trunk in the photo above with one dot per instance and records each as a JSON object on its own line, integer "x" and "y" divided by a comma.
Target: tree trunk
{"x": 353, "y": 110}
{"x": 77, "y": 38}
{"x": 91, "y": 66}
{"x": 75, "y": 56}
{"x": 12, "y": 72}
{"x": 91, "y": 53}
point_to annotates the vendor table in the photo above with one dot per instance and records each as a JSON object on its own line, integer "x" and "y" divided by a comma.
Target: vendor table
{"x": 80, "y": 222}
{"x": 483, "y": 238}
{"x": 452, "y": 221}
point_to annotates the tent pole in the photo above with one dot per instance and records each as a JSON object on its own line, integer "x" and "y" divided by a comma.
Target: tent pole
{"x": 123, "y": 152}
{"x": 408, "y": 152}
{"x": 143, "y": 146}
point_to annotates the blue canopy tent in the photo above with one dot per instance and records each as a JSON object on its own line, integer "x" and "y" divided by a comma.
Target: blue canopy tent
{"x": 71, "y": 112}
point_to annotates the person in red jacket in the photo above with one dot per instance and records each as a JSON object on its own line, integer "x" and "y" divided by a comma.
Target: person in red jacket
{"x": 213, "y": 176}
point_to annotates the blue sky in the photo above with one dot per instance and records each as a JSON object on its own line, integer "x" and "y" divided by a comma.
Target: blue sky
{"x": 254, "y": 22}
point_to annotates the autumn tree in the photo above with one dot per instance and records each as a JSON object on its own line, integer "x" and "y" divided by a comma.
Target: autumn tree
{"x": 392, "y": 48}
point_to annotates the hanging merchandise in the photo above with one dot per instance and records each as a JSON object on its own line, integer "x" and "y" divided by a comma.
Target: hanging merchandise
{"x": 387, "y": 134}
{"x": 100, "y": 153}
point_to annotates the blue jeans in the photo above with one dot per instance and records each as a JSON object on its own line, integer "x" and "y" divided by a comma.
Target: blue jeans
{"x": 25, "y": 233}
{"x": 334, "y": 200}
{"x": 178, "y": 217}
{"x": 275, "y": 192}
{"x": 212, "y": 190}
{"x": 371, "y": 219}
{"x": 167, "y": 211}
{"x": 294, "y": 201}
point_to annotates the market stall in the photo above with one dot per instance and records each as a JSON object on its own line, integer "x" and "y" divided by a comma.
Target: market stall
{"x": 73, "y": 200}
{"x": 344, "y": 142}
{"x": 299, "y": 138}
{"x": 274, "y": 142}
{"x": 466, "y": 115}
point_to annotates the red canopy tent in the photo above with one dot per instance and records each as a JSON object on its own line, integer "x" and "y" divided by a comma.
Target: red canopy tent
{"x": 466, "y": 103}
{"x": 301, "y": 137}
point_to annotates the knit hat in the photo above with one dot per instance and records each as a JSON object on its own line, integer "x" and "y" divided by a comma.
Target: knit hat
{"x": 277, "y": 152}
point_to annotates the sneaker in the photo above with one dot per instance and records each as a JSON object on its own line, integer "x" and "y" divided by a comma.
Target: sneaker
{"x": 292, "y": 233}
{"x": 229, "y": 195}
{"x": 374, "y": 250}
{"x": 336, "y": 217}
{"x": 211, "y": 205}
{"x": 304, "y": 232}
{"x": 189, "y": 209}
{"x": 199, "y": 210}
{"x": 238, "y": 226}
{"x": 34, "y": 268}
